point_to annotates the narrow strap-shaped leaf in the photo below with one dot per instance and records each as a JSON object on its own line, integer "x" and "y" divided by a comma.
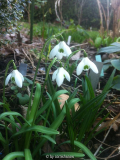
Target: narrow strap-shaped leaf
{"x": 34, "y": 108}
{"x": 36, "y": 128}
{"x": 13, "y": 114}
{"x": 58, "y": 93}
{"x": 109, "y": 82}
{"x": 49, "y": 138}
{"x": 13, "y": 155}
{"x": 28, "y": 155}
{"x": 2, "y": 138}
{"x": 84, "y": 148}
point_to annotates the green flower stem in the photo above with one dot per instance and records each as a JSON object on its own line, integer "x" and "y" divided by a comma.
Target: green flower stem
{"x": 6, "y": 132}
{"x": 14, "y": 66}
{"x": 85, "y": 54}
{"x": 29, "y": 106}
{"x": 36, "y": 103}
{"x": 67, "y": 61}
{"x": 12, "y": 61}
{"x": 62, "y": 37}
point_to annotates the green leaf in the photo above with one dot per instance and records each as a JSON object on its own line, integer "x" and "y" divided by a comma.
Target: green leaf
{"x": 64, "y": 155}
{"x": 44, "y": 107}
{"x": 26, "y": 84}
{"x": 116, "y": 82}
{"x": 109, "y": 82}
{"x": 1, "y": 103}
{"x": 72, "y": 102}
{"x": 11, "y": 121}
{"x": 13, "y": 114}
{"x": 49, "y": 138}
{"x": 28, "y": 155}
{"x": 58, "y": 93}
{"x": 84, "y": 148}
{"x": 35, "y": 104}
{"x": 115, "y": 47}
{"x": 106, "y": 66}
{"x": 116, "y": 64}
{"x": 28, "y": 80}
{"x": 98, "y": 42}
{"x": 36, "y": 128}
{"x": 13, "y": 155}
{"x": 2, "y": 139}
{"x": 23, "y": 99}
{"x": 13, "y": 87}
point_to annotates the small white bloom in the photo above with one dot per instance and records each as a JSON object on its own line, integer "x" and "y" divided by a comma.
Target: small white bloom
{"x": 59, "y": 75}
{"x": 85, "y": 65}
{"x": 17, "y": 76}
{"x": 60, "y": 50}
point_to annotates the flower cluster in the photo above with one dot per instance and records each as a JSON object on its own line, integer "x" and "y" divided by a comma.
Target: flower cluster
{"x": 61, "y": 50}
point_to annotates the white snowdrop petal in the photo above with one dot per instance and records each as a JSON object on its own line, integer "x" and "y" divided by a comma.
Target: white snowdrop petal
{"x": 54, "y": 75}
{"x": 62, "y": 44}
{"x": 67, "y": 51}
{"x": 67, "y": 76}
{"x": 7, "y": 79}
{"x": 80, "y": 68}
{"x": 18, "y": 80}
{"x": 59, "y": 79}
{"x": 59, "y": 55}
{"x": 86, "y": 61}
{"x": 93, "y": 67}
{"x": 22, "y": 78}
{"x": 54, "y": 51}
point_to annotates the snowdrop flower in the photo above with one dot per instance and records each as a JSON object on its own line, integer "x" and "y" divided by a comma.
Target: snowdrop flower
{"x": 17, "y": 76}
{"x": 85, "y": 65}
{"x": 60, "y": 50}
{"x": 59, "y": 76}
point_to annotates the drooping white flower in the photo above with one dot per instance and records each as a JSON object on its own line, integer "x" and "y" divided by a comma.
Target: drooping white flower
{"x": 59, "y": 76}
{"x": 60, "y": 50}
{"x": 17, "y": 76}
{"x": 85, "y": 65}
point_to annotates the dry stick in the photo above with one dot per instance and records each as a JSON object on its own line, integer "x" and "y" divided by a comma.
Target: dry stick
{"x": 103, "y": 141}
{"x": 110, "y": 124}
{"x": 104, "y": 151}
{"x": 32, "y": 63}
{"x": 111, "y": 154}
{"x": 110, "y": 157}
{"x": 28, "y": 58}
{"x": 78, "y": 45}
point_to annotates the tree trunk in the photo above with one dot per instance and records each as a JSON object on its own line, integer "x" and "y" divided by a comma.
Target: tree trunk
{"x": 29, "y": 13}
{"x": 116, "y": 17}
{"x": 108, "y": 15}
{"x": 101, "y": 17}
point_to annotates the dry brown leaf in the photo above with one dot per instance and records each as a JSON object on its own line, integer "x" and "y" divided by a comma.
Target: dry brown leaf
{"x": 115, "y": 127}
{"x": 63, "y": 98}
{"x": 114, "y": 122}
{"x": 76, "y": 56}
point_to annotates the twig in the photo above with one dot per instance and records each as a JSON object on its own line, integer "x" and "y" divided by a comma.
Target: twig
{"x": 28, "y": 58}
{"x": 103, "y": 141}
{"x": 78, "y": 45}
{"x": 112, "y": 153}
